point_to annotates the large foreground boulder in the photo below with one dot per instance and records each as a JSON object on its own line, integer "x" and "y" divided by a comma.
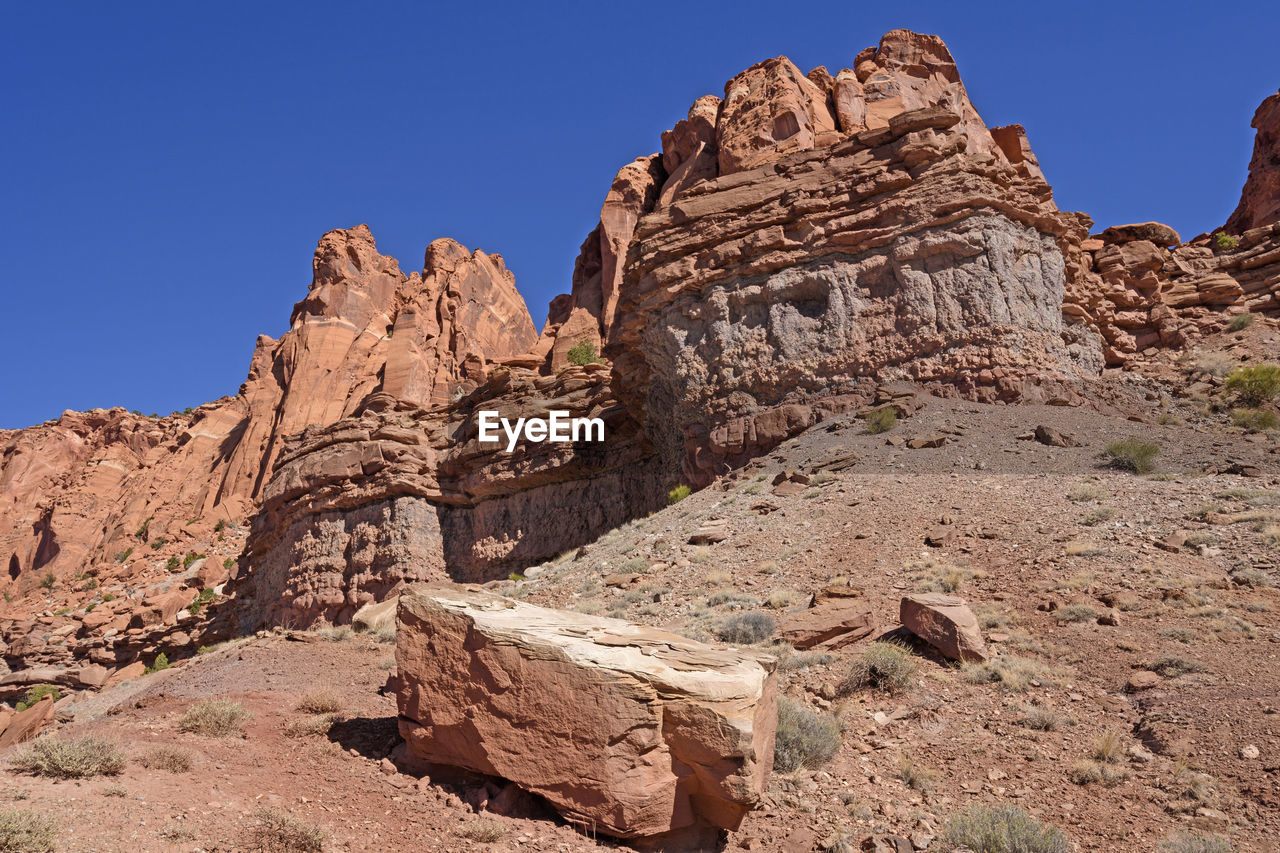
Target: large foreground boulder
{"x": 626, "y": 729}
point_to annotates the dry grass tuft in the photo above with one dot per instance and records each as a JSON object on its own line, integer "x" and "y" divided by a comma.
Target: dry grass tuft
{"x": 214, "y": 718}
{"x": 320, "y": 702}
{"x": 171, "y": 759}
{"x": 26, "y": 831}
{"x": 70, "y": 758}
{"x": 276, "y": 831}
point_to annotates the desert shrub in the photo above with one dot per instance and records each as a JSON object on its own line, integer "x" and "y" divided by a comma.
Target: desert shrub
{"x": 161, "y": 662}
{"x": 276, "y": 831}
{"x": 1109, "y": 747}
{"x": 1172, "y": 666}
{"x": 319, "y": 702}
{"x": 583, "y": 352}
{"x": 171, "y": 759}
{"x": 190, "y": 558}
{"x": 229, "y": 563}
{"x": 1254, "y": 386}
{"x": 1255, "y": 420}
{"x": 35, "y": 694}
{"x": 214, "y": 718}
{"x": 1085, "y": 492}
{"x": 1225, "y": 241}
{"x": 1003, "y": 828}
{"x": 335, "y": 635}
{"x": 26, "y": 831}
{"x": 483, "y": 829}
{"x": 1043, "y": 719}
{"x": 70, "y": 758}
{"x": 916, "y": 775}
{"x": 881, "y": 420}
{"x": 124, "y": 555}
{"x": 157, "y": 544}
{"x": 781, "y": 599}
{"x": 1132, "y": 454}
{"x": 884, "y": 665}
{"x": 1240, "y": 322}
{"x": 386, "y": 634}
{"x": 1097, "y": 515}
{"x": 1089, "y": 772}
{"x": 173, "y": 564}
{"x": 678, "y": 494}
{"x": 48, "y": 581}
{"x": 746, "y": 628}
{"x": 1075, "y": 613}
{"x": 804, "y": 738}
{"x": 1186, "y": 842}
{"x": 205, "y": 596}
{"x": 307, "y": 726}
{"x": 1014, "y": 674}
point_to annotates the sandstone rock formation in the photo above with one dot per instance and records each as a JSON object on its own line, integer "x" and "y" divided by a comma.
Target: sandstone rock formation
{"x": 1260, "y": 199}
{"x": 627, "y": 730}
{"x": 944, "y": 622}
{"x": 794, "y": 245}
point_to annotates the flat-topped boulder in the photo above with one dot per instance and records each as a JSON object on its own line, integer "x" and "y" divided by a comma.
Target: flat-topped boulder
{"x": 634, "y": 731}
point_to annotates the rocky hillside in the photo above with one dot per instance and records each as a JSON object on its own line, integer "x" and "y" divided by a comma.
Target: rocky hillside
{"x": 804, "y": 252}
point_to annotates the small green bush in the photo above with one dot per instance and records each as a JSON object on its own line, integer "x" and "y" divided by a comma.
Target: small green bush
{"x": 158, "y": 543}
{"x": 678, "y": 494}
{"x": 48, "y": 581}
{"x": 1254, "y": 386}
{"x": 191, "y": 557}
{"x": 1240, "y": 322}
{"x": 70, "y": 758}
{"x": 26, "y": 831}
{"x": 124, "y": 555}
{"x": 1003, "y": 828}
{"x": 1255, "y": 420}
{"x": 229, "y": 563}
{"x": 583, "y": 352}
{"x": 1132, "y": 454}
{"x": 1225, "y": 241}
{"x": 804, "y": 738}
{"x": 746, "y": 628}
{"x": 884, "y": 665}
{"x": 35, "y": 694}
{"x": 161, "y": 662}
{"x": 214, "y": 718}
{"x": 173, "y": 565}
{"x": 881, "y": 420}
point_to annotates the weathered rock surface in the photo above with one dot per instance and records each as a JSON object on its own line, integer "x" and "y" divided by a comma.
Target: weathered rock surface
{"x": 1260, "y": 199}
{"x": 944, "y": 622}
{"x": 833, "y": 624}
{"x": 80, "y": 489}
{"x": 627, "y": 729}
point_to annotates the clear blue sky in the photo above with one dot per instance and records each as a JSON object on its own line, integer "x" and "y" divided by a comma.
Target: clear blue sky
{"x": 168, "y": 167}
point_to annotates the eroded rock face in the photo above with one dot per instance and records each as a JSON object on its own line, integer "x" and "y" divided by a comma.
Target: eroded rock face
{"x": 80, "y": 489}
{"x": 399, "y": 493}
{"x": 631, "y": 730}
{"x": 1260, "y": 199}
